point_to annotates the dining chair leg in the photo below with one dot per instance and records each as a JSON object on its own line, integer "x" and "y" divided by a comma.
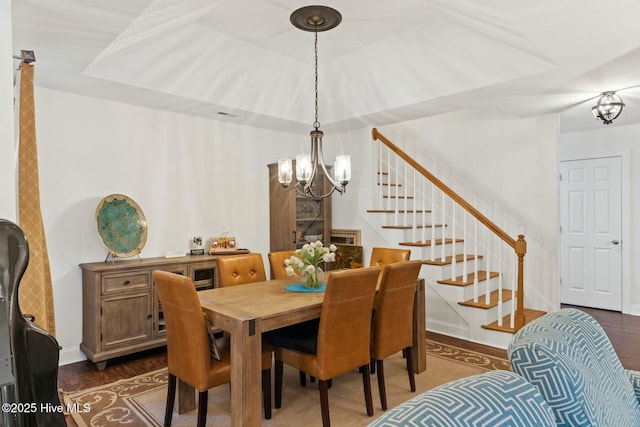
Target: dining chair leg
{"x": 323, "y": 385}
{"x": 266, "y": 392}
{"x": 171, "y": 397}
{"x": 412, "y": 378}
{"x": 203, "y": 398}
{"x": 381, "y": 385}
{"x": 366, "y": 382}
{"x": 278, "y": 386}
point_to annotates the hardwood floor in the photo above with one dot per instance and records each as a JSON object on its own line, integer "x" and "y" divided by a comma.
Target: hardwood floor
{"x": 622, "y": 329}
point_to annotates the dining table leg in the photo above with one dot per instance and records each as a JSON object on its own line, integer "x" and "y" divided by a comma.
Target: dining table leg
{"x": 419, "y": 348}
{"x": 246, "y": 347}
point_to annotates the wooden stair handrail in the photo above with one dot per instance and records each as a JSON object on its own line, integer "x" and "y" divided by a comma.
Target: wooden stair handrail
{"x": 519, "y": 246}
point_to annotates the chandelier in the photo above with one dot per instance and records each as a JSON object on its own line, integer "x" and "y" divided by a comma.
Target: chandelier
{"x": 308, "y": 166}
{"x": 608, "y": 107}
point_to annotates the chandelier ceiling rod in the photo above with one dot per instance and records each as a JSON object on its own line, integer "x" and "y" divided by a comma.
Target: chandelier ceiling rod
{"x": 315, "y": 19}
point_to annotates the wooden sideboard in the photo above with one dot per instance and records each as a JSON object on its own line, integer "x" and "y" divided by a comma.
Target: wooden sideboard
{"x": 121, "y": 313}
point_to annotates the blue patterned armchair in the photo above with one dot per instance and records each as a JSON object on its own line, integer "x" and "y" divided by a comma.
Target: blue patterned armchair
{"x": 490, "y": 399}
{"x": 569, "y": 358}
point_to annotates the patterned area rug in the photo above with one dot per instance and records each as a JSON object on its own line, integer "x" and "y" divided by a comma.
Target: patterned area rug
{"x": 140, "y": 401}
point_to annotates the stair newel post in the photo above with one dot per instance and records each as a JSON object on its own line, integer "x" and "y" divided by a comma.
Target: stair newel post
{"x": 521, "y": 250}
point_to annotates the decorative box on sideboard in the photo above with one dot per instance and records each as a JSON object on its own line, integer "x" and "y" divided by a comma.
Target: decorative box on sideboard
{"x": 121, "y": 313}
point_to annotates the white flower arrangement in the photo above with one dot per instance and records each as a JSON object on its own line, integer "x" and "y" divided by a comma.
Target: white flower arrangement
{"x": 307, "y": 259}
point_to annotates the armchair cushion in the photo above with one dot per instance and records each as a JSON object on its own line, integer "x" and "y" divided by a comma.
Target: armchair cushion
{"x": 569, "y": 358}
{"x": 494, "y": 398}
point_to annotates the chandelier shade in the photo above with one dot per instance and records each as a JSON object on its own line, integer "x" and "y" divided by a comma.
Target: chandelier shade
{"x": 608, "y": 107}
{"x": 308, "y": 166}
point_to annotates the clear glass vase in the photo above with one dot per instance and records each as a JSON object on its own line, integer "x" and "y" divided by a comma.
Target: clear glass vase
{"x": 314, "y": 280}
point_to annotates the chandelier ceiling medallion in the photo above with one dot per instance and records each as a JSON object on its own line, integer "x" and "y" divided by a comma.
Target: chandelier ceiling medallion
{"x": 315, "y": 19}
{"x": 608, "y": 107}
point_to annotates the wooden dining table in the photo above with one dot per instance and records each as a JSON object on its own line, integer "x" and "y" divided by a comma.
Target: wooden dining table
{"x": 248, "y": 310}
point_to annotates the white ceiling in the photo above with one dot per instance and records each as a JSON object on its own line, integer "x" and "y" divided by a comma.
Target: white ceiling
{"x": 387, "y": 61}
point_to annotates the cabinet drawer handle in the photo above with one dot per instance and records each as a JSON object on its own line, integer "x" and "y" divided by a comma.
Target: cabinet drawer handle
{"x": 126, "y": 282}
{"x": 149, "y": 316}
{"x": 294, "y": 236}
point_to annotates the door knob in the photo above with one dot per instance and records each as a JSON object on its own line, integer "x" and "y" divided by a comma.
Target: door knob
{"x": 615, "y": 242}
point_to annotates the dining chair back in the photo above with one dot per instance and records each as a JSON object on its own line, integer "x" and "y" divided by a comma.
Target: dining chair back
{"x": 189, "y": 349}
{"x": 276, "y": 262}
{"x": 393, "y": 319}
{"x": 240, "y": 269}
{"x": 341, "y": 340}
{"x": 384, "y": 256}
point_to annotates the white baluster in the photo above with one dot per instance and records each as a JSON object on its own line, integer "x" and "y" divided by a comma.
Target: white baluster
{"x": 453, "y": 238}
{"x": 442, "y": 248}
{"x": 465, "y": 271}
{"x": 500, "y": 283}
{"x": 513, "y": 290}
{"x": 415, "y": 214}
{"x": 487, "y": 296}
{"x": 433, "y": 221}
{"x": 423, "y": 237}
{"x": 475, "y": 263}
{"x": 396, "y": 182}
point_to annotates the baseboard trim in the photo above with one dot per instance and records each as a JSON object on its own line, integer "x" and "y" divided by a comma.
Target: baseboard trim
{"x": 71, "y": 355}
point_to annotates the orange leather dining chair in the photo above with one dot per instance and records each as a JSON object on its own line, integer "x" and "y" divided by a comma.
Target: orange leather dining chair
{"x": 383, "y": 256}
{"x": 240, "y": 269}
{"x": 393, "y": 319}
{"x": 339, "y": 343}
{"x": 276, "y": 262}
{"x": 189, "y": 349}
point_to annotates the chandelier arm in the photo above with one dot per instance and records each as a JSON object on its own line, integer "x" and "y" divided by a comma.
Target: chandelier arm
{"x": 336, "y": 186}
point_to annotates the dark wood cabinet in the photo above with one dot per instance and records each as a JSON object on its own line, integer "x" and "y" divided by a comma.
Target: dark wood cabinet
{"x": 294, "y": 219}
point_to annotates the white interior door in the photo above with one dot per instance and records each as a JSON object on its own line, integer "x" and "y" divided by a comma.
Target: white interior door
{"x": 591, "y": 232}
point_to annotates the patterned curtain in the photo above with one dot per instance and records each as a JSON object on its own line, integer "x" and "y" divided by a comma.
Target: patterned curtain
{"x": 36, "y": 292}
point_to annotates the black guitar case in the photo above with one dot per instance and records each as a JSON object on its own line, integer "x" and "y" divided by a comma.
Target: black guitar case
{"x": 34, "y": 352}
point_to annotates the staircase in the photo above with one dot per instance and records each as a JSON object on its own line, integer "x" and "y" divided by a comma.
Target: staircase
{"x": 473, "y": 268}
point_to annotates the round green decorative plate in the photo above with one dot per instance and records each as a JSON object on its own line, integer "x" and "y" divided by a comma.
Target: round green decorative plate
{"x": 121, "y": 225}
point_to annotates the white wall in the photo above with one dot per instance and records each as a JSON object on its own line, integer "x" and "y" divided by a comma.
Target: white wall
{"x": 190, "y": 176}
{"x": 7, "y": 139}
{"x": 605, "y": 141}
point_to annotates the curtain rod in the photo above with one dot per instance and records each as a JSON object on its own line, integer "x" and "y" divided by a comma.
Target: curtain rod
{"x": 27, "y": 56}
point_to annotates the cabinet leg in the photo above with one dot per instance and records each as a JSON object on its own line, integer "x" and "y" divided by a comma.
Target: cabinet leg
{"x": 101, "y": 365}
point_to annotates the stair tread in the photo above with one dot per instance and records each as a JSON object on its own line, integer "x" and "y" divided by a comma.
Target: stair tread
{"x": 386, "y": 196}
{"x": 459, "y": 281}
{"x": 428, "y": 242}
{"x": 529, "y": 314}
{"x": 493, "y": 300}
{"x": 409, "y": 227}
{"x": 392, "y": 211}
{"x": 448, "y": 260}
